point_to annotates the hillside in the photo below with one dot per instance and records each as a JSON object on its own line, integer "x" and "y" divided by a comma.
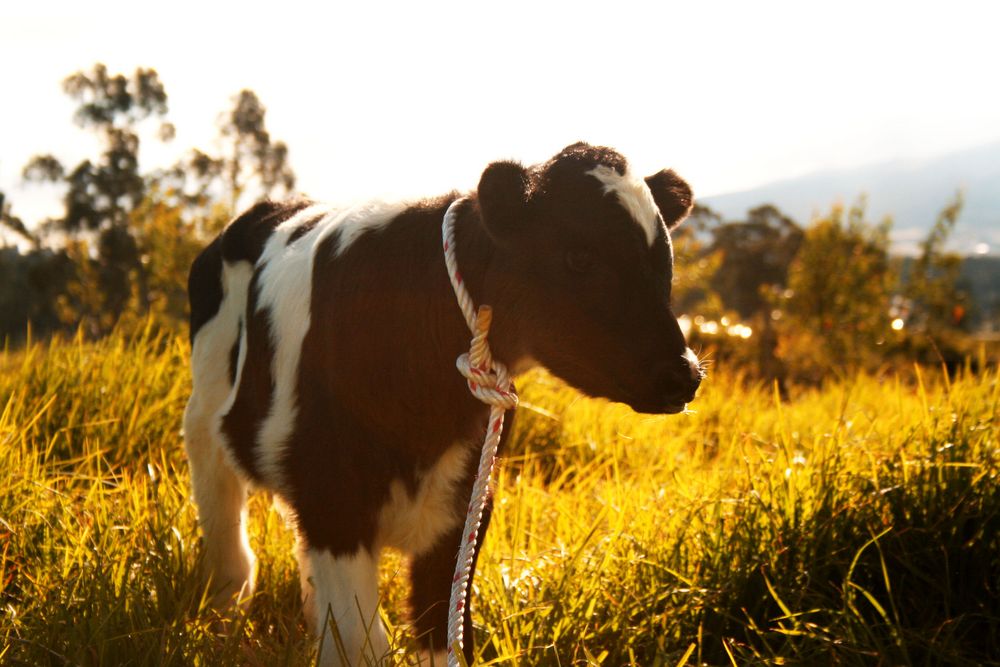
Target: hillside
{"x": 911, "y": 192}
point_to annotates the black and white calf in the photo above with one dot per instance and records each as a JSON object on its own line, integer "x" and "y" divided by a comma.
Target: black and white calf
{"x": 324, "y": 344}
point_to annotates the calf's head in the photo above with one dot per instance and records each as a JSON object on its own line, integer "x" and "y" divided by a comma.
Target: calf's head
{"x": 581, "y": 271}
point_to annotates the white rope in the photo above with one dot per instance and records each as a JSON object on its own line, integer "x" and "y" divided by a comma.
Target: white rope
{"x": 488, "y": 381}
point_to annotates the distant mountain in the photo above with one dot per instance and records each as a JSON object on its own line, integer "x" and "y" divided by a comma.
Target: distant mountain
{"x": 912, "y": 192}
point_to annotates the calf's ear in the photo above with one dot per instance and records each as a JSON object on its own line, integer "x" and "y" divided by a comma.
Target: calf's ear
{"x": 672, "y": 195}
{"x": 503, "y": 198}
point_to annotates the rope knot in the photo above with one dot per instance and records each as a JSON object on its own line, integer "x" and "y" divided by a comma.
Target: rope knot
{"x": 488, "y": 379}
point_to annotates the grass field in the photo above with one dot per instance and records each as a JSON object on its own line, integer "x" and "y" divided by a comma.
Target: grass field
{"x": 853, "y": 525}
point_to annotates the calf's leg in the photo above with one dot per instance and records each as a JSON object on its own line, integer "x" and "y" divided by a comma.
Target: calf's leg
{"x": 431, "y": 577}
{"x": 343, "y": 590}
{"x": 220, "y": 493}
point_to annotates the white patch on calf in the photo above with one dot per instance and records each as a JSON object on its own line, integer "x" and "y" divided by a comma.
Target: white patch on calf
{"x": 345, "y": 600}
{"x": 414, "y": 523}
{"x": 634, "y": 196}
{"x": 285, "y": 291}
{"x": 359, "y": 219}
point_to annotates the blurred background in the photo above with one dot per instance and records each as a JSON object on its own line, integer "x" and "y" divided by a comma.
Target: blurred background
{"x": 846, "y": 158}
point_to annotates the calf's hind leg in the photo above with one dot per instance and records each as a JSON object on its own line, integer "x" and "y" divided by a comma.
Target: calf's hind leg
{"x": 220, "y": 493}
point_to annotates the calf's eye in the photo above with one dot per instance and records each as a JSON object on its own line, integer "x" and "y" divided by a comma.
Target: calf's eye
{"x": 579, "y": 260}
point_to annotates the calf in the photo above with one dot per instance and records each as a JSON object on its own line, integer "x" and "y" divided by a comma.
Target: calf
{"x": 323, "y": 350}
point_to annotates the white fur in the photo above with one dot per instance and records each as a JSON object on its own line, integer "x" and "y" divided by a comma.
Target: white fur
{"x": 345, "y": 602}
{"x": 359, "y": 219}
{"x": 414, "y": 524}
{"x": 634, "y": 195}
{"x": 284, "y": 288}
{"x": 219, "y": 491}
{"x": 692, "y": 360}
{"x": 286, "y": 291}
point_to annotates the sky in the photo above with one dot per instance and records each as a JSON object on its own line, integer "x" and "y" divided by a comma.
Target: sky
{"x": 416, "y": 98}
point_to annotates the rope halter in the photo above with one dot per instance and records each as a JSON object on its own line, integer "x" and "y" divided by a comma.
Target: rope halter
{"x": 489, "y": 381}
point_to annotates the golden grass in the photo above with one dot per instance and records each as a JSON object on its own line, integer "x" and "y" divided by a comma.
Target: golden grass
{"x": 857, "y": 524}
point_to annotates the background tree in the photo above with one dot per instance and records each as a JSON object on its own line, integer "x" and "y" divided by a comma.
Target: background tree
{"x": 739, "y": 270}
{"x": 101, "y": 194}
{"x": 130, "y": 236}
{"x": 840, "y": 285}
{"x": 14, "y": 223}
{"x": 691, "y": 292}
{"x": 168, "y": 245}
{"x": 31, "y": 284}
{"x": 754, "y": 256}
{"x": 938, "y": 302}
{"x": 30, "y": 281}
{"x": 249, "y": 167}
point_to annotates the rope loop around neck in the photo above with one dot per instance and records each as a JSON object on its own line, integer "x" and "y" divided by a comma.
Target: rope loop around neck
{"x": 489, "y": 381}
{"x": 488, "y": 378}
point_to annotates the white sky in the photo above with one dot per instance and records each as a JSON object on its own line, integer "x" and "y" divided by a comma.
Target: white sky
{"x": 411, "y": 98}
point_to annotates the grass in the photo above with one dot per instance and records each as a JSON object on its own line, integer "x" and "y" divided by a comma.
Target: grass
{"x": 853, "y": 525}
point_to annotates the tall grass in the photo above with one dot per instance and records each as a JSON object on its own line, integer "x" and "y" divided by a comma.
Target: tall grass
{"x": 857, "y": 524}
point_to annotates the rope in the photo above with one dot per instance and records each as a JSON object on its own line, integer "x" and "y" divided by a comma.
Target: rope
{"x": 488, "y": 381}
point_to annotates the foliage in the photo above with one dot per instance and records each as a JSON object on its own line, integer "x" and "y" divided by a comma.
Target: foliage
{"x": 840, "y": 286}
{"x": 31, "y": 285}
{"x": 250, "y": 163}
{"x": 169, "y": 246}
{"x": 852, "y": 525}
{"x": 755, "y": 256}
{"x": 12, "y": 222}
{"x": 938, "y": 304}
{"x": 691, "y": 291}
{"x": 128, "y": 236}
{"x": 100, "y": 194}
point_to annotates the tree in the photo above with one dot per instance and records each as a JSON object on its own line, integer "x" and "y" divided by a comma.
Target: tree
{"x": 694, "y": 265}
{"x": 14, "y": 223}
{"x": 937, "y": 301}
{"x": 169, "y": 247}
{"x": 125, "y": 239}
{"x": 101, "y": 194}
{"x": 837, "y": 309}
{"x": 250, "y": 167}
{"x": 754, "y": 258}
{"x": 30, "y": 286}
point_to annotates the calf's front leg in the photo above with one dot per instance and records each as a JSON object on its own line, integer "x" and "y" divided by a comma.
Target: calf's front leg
{"x": 343, "y": 592}
{"x": 431, "y": 576}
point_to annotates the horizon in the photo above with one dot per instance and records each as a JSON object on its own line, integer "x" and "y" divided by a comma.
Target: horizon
{"x": 840, "y": 89}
